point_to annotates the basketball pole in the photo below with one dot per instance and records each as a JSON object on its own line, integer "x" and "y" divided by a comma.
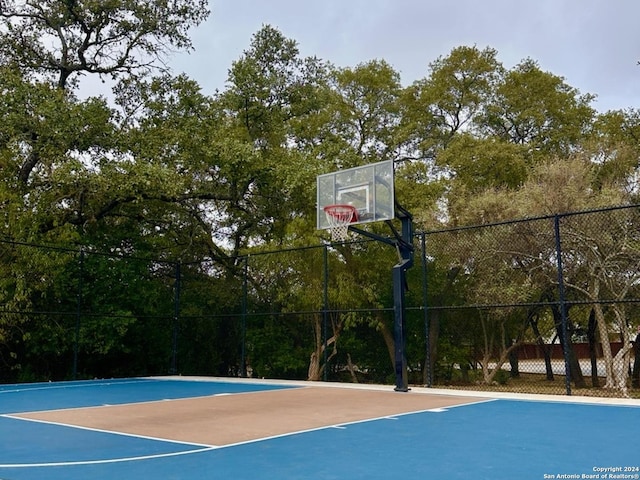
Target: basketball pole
{"x": 403, "y": 242}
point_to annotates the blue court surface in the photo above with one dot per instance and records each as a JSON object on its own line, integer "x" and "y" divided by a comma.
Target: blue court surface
{"x": 491, "y": 439}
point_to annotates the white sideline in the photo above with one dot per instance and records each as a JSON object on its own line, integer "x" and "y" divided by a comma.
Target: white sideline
{"x": 417, "y": 389}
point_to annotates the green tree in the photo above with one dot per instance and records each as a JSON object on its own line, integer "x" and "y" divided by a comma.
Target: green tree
{"x": 365, "y": 113}
{"x": 614, "y": 145}
{"x": 45, "y": 47}
{"x": 272, "y": 90}
{"x": 68, "y": 173}
{"x": 440, "y": 133}
{"x": 538, "y": 109}
{"x": 599, "y": 261}
{"x": 64, "y": 40}
{"x": 449, "y": 100}
{"x": 482, "y": 270}
{"x": 45, "y": 134}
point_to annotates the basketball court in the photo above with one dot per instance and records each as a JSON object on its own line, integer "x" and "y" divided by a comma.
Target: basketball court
{"x": 188, "y": 428}
{"x": 194, "y": 428}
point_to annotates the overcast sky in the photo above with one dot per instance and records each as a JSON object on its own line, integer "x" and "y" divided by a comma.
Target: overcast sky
{"x": 593, "y": 44}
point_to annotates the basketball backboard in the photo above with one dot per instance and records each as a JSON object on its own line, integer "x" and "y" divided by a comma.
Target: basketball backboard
{"x": 368, "y": 188}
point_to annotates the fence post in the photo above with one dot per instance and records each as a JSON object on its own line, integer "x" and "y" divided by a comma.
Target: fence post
{"x": 76, "y": 339}
{"x": 325, "y": 307}
{"x": 562, "y": 305}
{"x": 243, "y": 316}
{"x": 427, "y": 365}
{"x": 173, "y": 369}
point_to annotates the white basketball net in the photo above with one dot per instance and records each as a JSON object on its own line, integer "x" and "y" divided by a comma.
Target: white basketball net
{"x": 339, "y": 218}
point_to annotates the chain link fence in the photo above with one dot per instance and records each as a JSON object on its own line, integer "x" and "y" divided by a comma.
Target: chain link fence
{"x": 75, "y": 313}
{"x": 547, "y": 305}
{"x": 544, "y": 305}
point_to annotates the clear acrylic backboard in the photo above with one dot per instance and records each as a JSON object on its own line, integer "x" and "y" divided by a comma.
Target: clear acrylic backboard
{"x": 368, "y": 188}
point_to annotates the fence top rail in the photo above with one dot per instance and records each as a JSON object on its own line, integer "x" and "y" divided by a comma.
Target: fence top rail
{"x": 37, "y": 245}
{"x": 83, "y": 249}
{"x": 530, "y": 219}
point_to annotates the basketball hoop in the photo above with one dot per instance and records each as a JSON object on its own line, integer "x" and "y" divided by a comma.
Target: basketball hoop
{"x": 339, "y": 218}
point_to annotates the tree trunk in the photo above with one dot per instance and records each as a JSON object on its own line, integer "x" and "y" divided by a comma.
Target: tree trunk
{"x": 30, "y": 163}
{"x": 489, "y": 343}
{"x": 487, "y": 374}
{"x": 352, "y": 370}
{"x": 635, "y": 374}
{"x": 593, "y": 354}
{"x": 533, "y": 320}
{"x": 434, "y": 328}
{"x": 621, "y": 359}
{"x": 621, "y": 368}
{"x": 513, "y": 360}
{"x": 513, "y": 363}
{"x": 387, "y": 336}
{"x": 430, "y": 360}
{"x": 316, "y": 367}
{"x": 313, "y": 374}
{"x": 606, "y": 346}
{"x": 575, "y": 371}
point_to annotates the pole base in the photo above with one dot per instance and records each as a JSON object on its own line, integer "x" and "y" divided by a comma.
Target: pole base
{"x": 401, "y": 389}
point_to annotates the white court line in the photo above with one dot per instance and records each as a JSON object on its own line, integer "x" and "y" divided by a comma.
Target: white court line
{"x": 344, "y": 426}
{"x": 57, "y": 386}
{"x": 99, "y": 430}
{"x": 341, "y": 426}
{"x": 203, "y": 447}
{"x": 108, "y": 460}
{"x": 536, "y": 397}
{"x": 144, "y": 402}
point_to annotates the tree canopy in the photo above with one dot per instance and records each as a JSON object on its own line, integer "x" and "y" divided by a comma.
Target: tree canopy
{"x": 62, "y": 40}
{"x": 171, "y": 173}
